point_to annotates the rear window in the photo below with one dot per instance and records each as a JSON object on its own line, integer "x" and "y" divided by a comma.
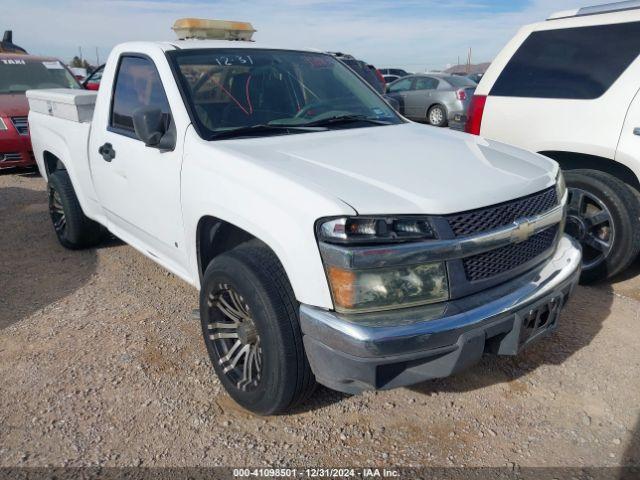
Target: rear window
{"x": 461, "y": 82}
{"x": 572, "y": 63}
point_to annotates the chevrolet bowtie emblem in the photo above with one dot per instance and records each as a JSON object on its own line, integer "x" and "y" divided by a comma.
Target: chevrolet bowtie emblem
{"x": 522, "y": 231}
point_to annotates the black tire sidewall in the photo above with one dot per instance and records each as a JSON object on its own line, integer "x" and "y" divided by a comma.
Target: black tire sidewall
{"x": 621, "y": 203}
{"x": 272, "y": 391}
{"x": 60, "y": 183}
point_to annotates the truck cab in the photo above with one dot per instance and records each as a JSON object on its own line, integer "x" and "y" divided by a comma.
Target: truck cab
{"x": 327, "y": 234}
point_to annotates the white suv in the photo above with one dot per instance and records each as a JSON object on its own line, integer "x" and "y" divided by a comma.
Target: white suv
{"x": 568, "y": 88}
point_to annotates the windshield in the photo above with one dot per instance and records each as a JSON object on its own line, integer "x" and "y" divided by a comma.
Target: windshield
{"x": 18, "y": 75}
{"x": 231, "y": 89}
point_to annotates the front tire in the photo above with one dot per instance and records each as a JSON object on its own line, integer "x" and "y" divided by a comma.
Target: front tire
{"x": 251, "y": 329}
{"x": 437, "y": 116}
{"x": 604, "y": 216}
{"x": 73, "y": 228}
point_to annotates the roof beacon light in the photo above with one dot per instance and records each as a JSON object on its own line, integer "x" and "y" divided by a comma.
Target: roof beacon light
{"x": 187, "y": 28}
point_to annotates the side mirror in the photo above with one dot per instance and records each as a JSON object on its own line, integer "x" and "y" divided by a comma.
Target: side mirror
{"x": 148, "y": 123}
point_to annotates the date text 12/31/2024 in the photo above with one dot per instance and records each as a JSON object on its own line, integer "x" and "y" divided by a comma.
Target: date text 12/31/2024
{"x": 316, "y": 472}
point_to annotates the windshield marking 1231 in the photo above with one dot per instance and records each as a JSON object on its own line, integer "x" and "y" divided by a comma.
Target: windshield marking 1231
{"x": 251, "y": 91}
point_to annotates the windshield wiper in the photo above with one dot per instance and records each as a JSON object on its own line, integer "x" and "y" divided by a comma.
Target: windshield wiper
{"x": 338, "y": 119}
{"x": 262, "y": 129}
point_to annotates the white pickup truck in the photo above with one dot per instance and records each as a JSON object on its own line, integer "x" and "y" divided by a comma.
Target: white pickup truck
{"x": 331, "y": 239}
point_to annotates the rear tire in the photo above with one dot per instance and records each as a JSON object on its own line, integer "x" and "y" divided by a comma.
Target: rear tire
{"x": 73, "y": 228}
{"x": 251, "y": 329}
{"x": 604, "y": 215}
{"x": 437, "y": 116}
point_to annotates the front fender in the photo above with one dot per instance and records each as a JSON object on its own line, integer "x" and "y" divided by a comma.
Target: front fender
{"x": 273, "y": 209}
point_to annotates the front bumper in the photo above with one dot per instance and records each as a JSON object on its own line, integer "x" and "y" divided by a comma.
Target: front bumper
{"x": 352, "y": 353}
{"x": 15, "y": 150}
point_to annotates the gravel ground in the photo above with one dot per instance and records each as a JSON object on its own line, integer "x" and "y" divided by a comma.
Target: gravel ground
{"x": 102, "y": 364}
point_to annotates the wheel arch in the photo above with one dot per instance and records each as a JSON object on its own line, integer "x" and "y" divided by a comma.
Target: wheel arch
{"x": 437, "y": 104}
{"x": 575, "y": 161}
{"x": 215, "y": 236}
{"x": 52, "y": 162}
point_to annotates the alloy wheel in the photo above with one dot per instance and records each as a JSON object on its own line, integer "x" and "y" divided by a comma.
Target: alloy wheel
{"x": 56, "y": 211}
{"x": 590, "y": 222}
{"x": 436, "y": 116}
{"x": 234, "y": 337}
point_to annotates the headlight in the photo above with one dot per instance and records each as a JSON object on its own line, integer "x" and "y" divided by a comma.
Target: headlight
{"x": 561, "y": 186}
{"x": 359, "y": 291}
{"x": 3, "y": 126}
{"x": 390, "y": 286}
{"x": 374, "y": 229}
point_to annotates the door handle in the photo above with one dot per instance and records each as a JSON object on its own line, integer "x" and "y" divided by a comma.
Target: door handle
{"x": 107, "y": 152}
{"x": 636, "y": 131}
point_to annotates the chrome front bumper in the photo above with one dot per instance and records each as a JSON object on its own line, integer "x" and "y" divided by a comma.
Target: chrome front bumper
{"x": 351, "y": 353}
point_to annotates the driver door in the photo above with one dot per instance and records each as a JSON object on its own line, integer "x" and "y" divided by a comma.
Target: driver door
{"x": 139, "y": 186}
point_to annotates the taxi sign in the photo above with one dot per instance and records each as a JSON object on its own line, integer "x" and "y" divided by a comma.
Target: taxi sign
{"x": 187, "y": 28}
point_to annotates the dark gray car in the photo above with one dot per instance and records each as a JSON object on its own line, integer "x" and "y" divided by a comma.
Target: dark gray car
{"x": 432, "y": 98}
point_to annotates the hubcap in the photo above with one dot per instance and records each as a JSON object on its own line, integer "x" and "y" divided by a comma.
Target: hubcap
{"x": 590, "y": 222}
{"x": 234, "y": 336}
{"x": 436, "y": 116}
{"x": 56, "y": 211}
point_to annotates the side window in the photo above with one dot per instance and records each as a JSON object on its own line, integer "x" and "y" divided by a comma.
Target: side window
{"x": 426, "y": 83}
{"x": 401, "y": 86}
{"x": 137, "y": 85}
{"x": 571, "y": 63}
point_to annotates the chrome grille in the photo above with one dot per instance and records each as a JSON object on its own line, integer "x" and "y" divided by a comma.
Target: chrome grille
{"x": 10, "y": 157}
{"x": 21, "y": 124}
{"x": 495, "y": 262}
{"x": 496, "y": 216}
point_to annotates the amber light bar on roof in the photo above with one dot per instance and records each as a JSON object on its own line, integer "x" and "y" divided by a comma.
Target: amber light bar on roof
{"x": 200, "y": 28}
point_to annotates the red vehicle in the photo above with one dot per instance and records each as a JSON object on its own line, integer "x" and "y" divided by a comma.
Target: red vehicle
{"x": 19, "y": 73}
{"x": 92, "y": 82}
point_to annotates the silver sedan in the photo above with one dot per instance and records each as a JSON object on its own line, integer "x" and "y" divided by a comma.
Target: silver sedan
{"x": 435, "y": 99}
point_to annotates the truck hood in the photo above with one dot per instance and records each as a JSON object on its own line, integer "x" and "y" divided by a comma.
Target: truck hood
{"x": 401, "y": 169}
{"x": 13, "y": 105}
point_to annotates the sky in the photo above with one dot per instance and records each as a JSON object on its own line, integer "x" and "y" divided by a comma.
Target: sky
{"x": 417, "y": 35}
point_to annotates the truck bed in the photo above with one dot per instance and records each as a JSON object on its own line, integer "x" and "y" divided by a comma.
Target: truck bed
{"x": 60, "y": 123}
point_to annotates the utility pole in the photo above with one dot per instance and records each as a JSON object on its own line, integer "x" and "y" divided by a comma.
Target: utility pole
{"x": 80, "y": 52}
{"x": 97, "y": 57}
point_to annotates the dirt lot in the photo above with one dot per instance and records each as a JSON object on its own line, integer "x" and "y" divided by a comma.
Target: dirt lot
{"x": 102, "y": 364}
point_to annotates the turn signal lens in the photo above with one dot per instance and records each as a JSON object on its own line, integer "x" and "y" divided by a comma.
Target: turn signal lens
{"x": 342, "y": 285}
{"x": 357, "y": 291}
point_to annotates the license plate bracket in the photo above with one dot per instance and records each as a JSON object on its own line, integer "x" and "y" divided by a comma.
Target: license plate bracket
{"x": 532, "y": 322}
